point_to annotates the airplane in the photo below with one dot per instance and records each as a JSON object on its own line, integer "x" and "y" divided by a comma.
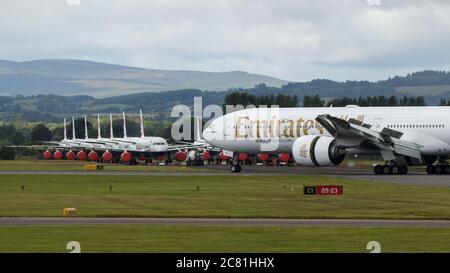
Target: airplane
{"x": 199, "y": 150}
{"x": 402, "y": 136}
{"x": 125, "y": 148}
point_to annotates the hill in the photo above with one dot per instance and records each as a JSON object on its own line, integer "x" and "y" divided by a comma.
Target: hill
{"x": 432, "y": 85}
{"x": 77, "y": 77}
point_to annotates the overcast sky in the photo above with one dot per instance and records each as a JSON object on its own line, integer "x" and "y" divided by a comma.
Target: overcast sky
{"x": 290, "y": 39}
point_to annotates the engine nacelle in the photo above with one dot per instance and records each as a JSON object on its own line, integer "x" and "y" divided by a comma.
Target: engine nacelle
{"x": 312, "y": 150}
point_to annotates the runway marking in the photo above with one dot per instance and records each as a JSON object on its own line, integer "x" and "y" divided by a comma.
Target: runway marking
{"x": 48, "y": 221}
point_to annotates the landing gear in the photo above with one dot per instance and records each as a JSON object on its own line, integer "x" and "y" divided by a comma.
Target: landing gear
{"x": 235, "y": 165}
{"x": 235, "y": 168}
{"x": 390, "y": 168}
{"x": 441, "y": 168}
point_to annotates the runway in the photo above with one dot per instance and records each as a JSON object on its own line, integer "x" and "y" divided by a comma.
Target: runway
{"x": 50, "y": 221}
{"x": 414, "y": 177}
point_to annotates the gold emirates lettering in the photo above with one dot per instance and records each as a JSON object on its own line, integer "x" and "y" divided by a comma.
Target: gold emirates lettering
{"x": 285, "y": 128}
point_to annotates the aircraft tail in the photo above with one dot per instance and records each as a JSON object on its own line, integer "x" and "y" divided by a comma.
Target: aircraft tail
{"x": 99, "y": 131}
{"x": 198, "y": 129}
{"x": 86, "y": 136}
{"x": 124, "y": 125}
{"x": 73, "y": 128}
{"x": 142, "y": 123}
{"x": 65, "y": 130}
{"x": 111, "y": 135}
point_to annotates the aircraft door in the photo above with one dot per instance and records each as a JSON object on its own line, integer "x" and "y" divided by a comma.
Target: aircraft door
{"x": 378, "y": 125}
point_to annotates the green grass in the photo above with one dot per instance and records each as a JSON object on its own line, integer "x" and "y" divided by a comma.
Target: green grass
{"x": 136, "y": 238}
{"x": 220, "y": 196}
{"x": 67, "y": 165}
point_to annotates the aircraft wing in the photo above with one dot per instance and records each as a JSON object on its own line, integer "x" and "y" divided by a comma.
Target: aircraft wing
{"x": 190, "y": 145}
{"x": 353, "y": 132}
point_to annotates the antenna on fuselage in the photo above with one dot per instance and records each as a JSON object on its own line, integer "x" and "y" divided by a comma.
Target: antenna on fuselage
{"x": 99, "y": 131}
{"x": 124, "y": 126}
{"x": 65, "y": 130}
{"x": 142, "y": 123}
{"x": 86, "y": 136}
{"x": 110, "y": 126}
{"x": 73, "y": 128}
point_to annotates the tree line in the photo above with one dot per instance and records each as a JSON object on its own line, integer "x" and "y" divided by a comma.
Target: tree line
{"x": 245, "y": 99}
{"x": 316, "y": 101}
{"x": 282, "y": 100}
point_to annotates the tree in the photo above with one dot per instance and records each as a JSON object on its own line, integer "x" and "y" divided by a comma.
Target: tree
{"x": 314, "y": 101}
{"x": 40, "y": 132}
{"x": 18, "y": 138}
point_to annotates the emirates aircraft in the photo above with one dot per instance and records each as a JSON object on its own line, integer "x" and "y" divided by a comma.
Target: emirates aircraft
{"x": 402, "y": 136}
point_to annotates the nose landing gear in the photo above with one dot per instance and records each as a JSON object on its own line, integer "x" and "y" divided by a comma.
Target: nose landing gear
{"x": 235, "y": 167}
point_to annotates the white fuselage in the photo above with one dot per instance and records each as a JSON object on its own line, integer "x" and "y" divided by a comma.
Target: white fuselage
{"x": 136, "y": 144}
{"x": 275, "y": 130}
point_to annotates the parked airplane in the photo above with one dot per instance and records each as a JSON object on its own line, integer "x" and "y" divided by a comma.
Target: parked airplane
{"x": 126, "y": 148}
{"x": 403, "y": 136}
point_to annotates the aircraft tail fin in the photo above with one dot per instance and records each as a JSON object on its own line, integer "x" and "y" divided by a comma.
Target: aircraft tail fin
{"x": 142, "y": 123}
{"x": 73, "y": 128}
{"x": 86, "y": 136}
{"x": 198, "y": 129}
{"x": 111, "y": 135}
{"x": 65, "y": 130}
{"x": 99, "y": 131}
{"x": 124, "y": 126}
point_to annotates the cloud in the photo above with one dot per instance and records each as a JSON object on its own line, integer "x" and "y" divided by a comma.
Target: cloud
{"x": 291, "y": 39}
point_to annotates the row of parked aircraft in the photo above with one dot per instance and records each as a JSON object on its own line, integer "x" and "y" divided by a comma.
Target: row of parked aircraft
{"x": 123, "y": 149}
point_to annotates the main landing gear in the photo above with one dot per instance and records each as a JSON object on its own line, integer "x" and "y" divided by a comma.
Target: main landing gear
{"x": 441, "y": 168}
{"x": 390, "y": 168}
{"x": 235, "y": 166}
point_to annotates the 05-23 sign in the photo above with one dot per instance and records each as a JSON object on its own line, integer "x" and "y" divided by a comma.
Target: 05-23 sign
{"x": 324, "y": 190}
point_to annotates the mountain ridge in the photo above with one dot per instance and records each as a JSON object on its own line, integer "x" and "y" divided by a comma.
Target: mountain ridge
{"x": 99, "y": 79}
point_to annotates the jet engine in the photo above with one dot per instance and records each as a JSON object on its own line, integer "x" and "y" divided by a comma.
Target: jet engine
{"x": 312, "y": 150}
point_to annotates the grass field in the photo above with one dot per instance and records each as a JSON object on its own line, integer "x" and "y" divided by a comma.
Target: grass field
{"x": 220, "y": 196}
{"x": 66, "y": 165}
{"x": 122, "y": 238}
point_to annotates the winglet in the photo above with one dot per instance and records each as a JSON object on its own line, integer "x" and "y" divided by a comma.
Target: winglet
{"x": 142, "y": 123}
{"x": 124, "y": 125}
